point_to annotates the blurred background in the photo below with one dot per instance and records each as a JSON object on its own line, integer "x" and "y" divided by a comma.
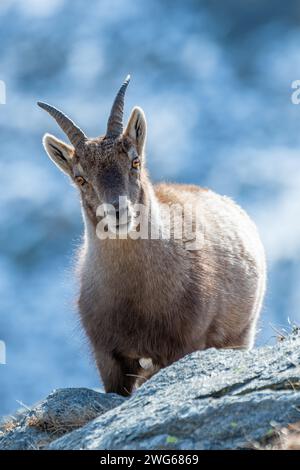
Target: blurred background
{"x": 214, "y": 79}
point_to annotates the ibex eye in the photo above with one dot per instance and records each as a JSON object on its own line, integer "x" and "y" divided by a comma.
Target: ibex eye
{"x": 136, "y": 163}
{"x": 80, "y": 180}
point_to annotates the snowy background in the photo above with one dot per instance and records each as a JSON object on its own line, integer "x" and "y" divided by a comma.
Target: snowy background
{"x": 214, "y": 79}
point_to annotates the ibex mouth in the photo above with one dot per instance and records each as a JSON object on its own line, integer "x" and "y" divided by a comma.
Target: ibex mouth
{"x": 124, "y": 228}
{"x": 121, "y": 228}
{"x": 115, "y": 222}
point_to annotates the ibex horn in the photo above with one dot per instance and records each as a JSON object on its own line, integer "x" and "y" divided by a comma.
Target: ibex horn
{"x": 74, "y": 133}
{"x": 115, "y": 121}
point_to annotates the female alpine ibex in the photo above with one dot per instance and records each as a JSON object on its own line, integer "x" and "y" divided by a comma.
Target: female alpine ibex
{"x": 146, "y": 302}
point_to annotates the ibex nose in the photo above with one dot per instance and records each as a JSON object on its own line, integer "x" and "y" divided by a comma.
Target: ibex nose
{"x": 115, "y": 204}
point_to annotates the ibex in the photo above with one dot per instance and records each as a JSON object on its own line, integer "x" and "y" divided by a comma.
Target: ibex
{"x": 145, "y": 303}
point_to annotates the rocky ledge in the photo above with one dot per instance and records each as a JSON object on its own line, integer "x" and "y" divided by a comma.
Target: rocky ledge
{"x": 214, "y": 399}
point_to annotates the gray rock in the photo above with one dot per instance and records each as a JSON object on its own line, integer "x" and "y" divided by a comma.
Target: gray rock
{"x": 226, "y": 399}
{"x": 61, "y": 412}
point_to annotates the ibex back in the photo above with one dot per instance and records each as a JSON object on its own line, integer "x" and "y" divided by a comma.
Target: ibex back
{"x": 147, "y": 301}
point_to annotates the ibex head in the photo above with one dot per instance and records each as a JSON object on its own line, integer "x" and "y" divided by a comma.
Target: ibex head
{"x": 106, "y": 167}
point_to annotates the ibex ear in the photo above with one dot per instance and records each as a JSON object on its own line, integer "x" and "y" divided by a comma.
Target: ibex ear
{"x": 136, "y": 129}
{"x": 59, "y": 152}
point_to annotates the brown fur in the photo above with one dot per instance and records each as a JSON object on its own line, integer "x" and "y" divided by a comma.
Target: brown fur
{"x": 154, "y": 298}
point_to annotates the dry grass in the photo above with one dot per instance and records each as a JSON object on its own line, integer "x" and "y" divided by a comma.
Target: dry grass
{"x": 282, "y": 332}
{"x": 55, "y": 427}
{"x": 8, "y": 426}
{"x": 288, "y": 438}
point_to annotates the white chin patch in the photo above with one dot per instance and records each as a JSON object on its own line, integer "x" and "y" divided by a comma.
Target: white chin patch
{"x": 146, "y": 363}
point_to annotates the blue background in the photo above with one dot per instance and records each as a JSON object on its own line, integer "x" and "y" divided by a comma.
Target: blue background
{"x": 214, "y": 79}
